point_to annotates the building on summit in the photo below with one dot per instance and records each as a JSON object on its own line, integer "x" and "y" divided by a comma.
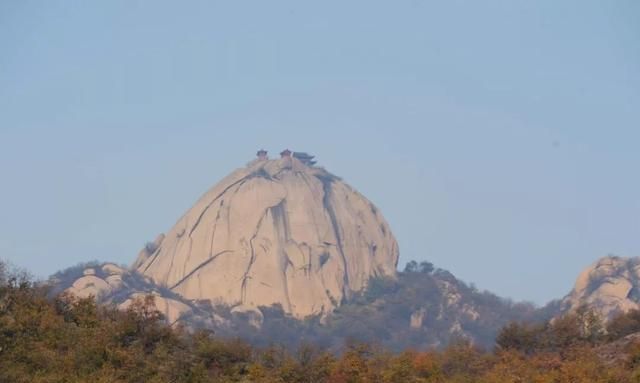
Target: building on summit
{"x": 305, "y": 158}
{"x": 262, "y": 155}
{"x": 285, "y": 153}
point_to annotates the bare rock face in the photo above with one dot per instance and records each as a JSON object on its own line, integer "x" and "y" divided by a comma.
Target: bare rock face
{"x": 417, "y": 317}
{"x": 275, "y": 232}
{"x": 112, "y": 284}
{"x": 609, "y": 286}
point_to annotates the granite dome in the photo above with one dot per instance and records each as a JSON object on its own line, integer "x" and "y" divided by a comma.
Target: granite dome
{"x": 277, "y": 231}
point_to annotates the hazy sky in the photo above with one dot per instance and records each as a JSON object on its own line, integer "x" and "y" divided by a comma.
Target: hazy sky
{"x": 501, "y": 139}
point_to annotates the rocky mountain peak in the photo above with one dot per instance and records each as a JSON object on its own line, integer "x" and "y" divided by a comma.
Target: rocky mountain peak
{"x": 277, "y": 231}
{"x": 609, "y": 286}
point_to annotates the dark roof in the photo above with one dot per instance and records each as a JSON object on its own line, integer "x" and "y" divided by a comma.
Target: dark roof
{"x": 305, "y": 158}
{"x": 302, "y": 155}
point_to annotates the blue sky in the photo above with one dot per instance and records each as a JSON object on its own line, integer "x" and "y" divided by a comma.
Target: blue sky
{"x": 499, "y": 138}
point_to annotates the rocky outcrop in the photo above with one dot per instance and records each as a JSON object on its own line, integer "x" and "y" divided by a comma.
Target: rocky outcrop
{"x": 609, "y": 286}
{"x": 100, "y": 282}
{"x": 274, "y": 232}
{"x": 417, "y": 318}
{"x": 112, "y": 284}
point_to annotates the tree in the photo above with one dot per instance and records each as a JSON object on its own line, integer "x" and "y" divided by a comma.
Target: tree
{"x": 426, "y": 267}
{"x": 519, "y": 337}
{"x": 624, "y": 324}
{"x": 411, "y": 267}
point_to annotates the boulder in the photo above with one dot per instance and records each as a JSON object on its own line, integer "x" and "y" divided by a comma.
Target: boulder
{"x": 417, "y": 317}
{"x": 90, "y": 285}
{"x": 111, "y": 269}
{"x": 111, "y": 284}
{"x": 253, "y": 315}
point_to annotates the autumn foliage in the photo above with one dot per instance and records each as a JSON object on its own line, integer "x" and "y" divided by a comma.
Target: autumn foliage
{"x": 73, "y": 340}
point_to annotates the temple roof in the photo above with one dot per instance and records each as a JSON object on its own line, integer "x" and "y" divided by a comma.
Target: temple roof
{"x": 305, "y": 158}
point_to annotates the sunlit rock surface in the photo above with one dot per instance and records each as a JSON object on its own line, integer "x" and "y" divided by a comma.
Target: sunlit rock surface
{"x": 609, "y": 286}
{"x": 112, "y": 284}
{"x": 274, "y": 232}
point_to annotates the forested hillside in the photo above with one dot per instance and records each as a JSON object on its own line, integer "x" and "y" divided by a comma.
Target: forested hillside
{"x": 67, "y": 339}
{"x": 422, "y": 307}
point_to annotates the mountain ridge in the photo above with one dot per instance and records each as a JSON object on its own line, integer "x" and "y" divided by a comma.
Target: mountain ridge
{"x": 282, "y": 249}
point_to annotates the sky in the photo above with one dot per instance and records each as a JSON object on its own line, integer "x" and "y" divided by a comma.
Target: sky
{"x": 500, "y": 139}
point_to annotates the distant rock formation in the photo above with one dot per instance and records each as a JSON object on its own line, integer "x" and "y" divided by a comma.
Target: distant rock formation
{"x": 112, "y": 284}
{"x": 274, "y": 232}
{"x": 609, "y": 286}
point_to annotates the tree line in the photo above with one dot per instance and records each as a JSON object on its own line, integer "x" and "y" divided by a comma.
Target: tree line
{"x": 67, "y": 339}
